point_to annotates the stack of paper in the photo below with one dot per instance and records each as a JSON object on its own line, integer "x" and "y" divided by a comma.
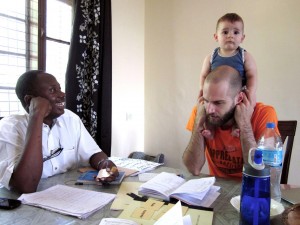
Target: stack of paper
{"x": 68, "y": 200}
{"x": 139, "y": 165}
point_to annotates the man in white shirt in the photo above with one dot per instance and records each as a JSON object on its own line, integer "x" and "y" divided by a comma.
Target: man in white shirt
{"x": 48, "y": 140}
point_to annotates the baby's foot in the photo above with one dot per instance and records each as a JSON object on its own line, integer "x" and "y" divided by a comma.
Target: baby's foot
{"x": 207, "y": 134}
{"x": 235, "y": 132}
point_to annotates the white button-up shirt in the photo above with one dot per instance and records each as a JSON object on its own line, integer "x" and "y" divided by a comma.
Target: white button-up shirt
{"x": 68, "y": 132}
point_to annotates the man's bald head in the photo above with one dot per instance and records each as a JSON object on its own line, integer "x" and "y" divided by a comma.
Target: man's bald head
{"x": 225, "y": 74}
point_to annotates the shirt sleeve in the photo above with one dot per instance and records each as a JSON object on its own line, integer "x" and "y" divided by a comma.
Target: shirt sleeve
{"x": 11, "y": 142}
{"x": 261, "y": 116}
{"x": 191, "y": 121}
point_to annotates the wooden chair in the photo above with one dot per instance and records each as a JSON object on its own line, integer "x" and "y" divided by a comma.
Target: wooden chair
{"x": 287, "y": 131}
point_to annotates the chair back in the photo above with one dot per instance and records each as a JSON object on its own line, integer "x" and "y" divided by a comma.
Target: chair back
{"x": 160, "y": 158}
{"x": 287, "y": 131}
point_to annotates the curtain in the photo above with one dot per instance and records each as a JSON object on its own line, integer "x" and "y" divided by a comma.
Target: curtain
{"x": 89, "y": 70}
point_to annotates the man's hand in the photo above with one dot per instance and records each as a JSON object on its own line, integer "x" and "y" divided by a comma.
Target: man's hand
{"x": 244, "y": 111}
{"x": 108, "y": 171}
{"x": 200, "y": 117}
{"x": 39, "y": 105}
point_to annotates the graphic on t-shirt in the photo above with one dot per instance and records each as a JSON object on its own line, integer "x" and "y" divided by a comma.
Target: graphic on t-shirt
{"x": 228, "y": 160}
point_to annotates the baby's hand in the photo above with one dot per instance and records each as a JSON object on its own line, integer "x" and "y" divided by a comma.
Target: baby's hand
{"x": 200, "y": 96}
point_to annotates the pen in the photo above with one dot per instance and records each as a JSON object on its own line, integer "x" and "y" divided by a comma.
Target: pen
{"x": 78, "y": 183}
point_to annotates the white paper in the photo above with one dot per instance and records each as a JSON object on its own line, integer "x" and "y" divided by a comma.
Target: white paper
{"x": 211, "y": 196}
{"x": 117, "y": 221}
{"x": 187, "y": 220}
{"x": 163, "y": 184}
{"x": 197, "y": 187}
{"x": 198, "y": 192}
{"x": 172, "y": 217}
{"x": 135, "y": 164}
{"x": 143, "y": 177}
{"x": 68, "y": 200}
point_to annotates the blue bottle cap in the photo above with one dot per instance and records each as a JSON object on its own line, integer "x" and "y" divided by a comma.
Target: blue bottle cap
{"x": 258, "y": 157}
{"x": 270, "y": 125}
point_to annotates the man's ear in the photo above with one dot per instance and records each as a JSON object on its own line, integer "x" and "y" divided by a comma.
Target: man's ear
{"x": 239, "y": 97}
{"x": 27, "y": 99}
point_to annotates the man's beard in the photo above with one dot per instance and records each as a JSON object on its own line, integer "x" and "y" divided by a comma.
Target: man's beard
{"x": 222, "y": 120}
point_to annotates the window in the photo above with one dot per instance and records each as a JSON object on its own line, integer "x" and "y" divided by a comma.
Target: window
{"x": 21, "y": 49}
{"x": 58, "y": 35}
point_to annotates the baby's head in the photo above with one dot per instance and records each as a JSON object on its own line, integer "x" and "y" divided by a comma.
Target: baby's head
{"x": 230, "y": 17}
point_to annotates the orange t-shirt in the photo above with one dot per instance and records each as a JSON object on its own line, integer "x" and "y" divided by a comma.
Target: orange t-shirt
{"x": 224, "y": 152}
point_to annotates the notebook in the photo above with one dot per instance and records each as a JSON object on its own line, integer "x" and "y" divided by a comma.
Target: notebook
{"x": 291, "y": 195}
{"x": 89, "y": 178}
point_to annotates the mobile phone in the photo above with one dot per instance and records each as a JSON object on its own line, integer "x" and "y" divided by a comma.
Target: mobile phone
{"x": 6, "y": 203}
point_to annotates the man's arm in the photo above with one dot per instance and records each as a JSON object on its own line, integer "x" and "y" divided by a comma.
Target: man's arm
{"x": 27, "y": 173}
{"x": 243, "y": 114}
{"x": 193, "y": 156}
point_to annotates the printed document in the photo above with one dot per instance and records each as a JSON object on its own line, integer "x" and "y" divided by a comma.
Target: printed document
{"x": 68, "y": 200}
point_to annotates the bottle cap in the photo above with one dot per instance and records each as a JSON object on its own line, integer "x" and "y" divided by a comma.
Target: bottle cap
{"x": 270, "y": 125}
{"x": 249, "y": 170}
{"x": 258, "y": 156}
{"x": 255, "y": 158}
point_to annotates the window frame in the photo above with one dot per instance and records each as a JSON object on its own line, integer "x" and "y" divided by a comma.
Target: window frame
{"x": 34, "y": 54}
{"x": 42, "y": 34}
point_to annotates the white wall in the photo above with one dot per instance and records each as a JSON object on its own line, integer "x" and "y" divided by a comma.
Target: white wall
{"x": 177, "y": 35}
{"x": 128, "y": 31}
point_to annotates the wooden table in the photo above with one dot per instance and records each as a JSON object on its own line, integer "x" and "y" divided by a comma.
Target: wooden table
{"x": 224, "y": 212}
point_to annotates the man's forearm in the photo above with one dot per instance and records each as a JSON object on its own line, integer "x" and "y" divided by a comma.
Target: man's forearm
{"x": 28, "y": 171}
{"x": 193, "y": 156}
{"x": 247, "y": 140}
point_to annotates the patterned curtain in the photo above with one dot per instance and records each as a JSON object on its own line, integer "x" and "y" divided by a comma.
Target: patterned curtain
{"x": 88, "y": 76}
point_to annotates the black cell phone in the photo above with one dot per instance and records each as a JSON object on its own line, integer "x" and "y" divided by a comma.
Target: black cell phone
{"x": 6, "y": 203}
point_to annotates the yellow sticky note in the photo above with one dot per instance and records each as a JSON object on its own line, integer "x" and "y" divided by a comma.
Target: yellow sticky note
{"x": 142, "y": 213}
{"x": 167, "y": 207}
{"x": 157, "y": 216}
{"x": 153, "y": 204}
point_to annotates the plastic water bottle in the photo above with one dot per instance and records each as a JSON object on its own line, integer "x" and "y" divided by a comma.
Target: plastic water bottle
{"x": 271, "y": 145}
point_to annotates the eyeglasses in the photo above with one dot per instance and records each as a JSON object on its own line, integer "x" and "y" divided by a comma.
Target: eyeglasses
{"x": 53, "y": 154}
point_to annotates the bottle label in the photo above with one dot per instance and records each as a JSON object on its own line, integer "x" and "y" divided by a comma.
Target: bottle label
{"x": 272, "y": 157}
